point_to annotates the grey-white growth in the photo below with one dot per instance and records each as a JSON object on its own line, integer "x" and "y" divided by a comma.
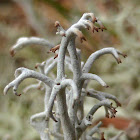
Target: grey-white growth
{"x": 64, "y": 98}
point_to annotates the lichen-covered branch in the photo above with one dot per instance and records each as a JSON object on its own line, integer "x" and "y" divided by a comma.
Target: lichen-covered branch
{"x": 105, "y": 103}
{"x": 87, "y": 76}
{"x": 99, "y": 53}
{"x": 102, "y": 96}
{"x": 22, "y": 74}
{"x": 25, "y": 41}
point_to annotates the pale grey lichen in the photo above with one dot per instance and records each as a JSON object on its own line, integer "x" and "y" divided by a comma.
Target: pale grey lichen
{"x": 64, "y": 98}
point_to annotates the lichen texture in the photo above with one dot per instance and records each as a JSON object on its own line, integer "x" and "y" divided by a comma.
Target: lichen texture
{"x": 64, "y": 98}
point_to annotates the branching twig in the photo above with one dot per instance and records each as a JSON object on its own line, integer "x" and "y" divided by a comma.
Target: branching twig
{"x": 23, "y": 73}
{"x": 24, "y": 41}
{"x": 102, "y": 96}
{"x": 86, "y": 76}
{"x": 99, "y": 53}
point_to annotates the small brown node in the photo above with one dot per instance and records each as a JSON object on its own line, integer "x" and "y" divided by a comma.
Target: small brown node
{"x": 119, "y": 61}
{"x": 102, "y": 136}
{"x": 57, "y": 24}
{"x": 12, "y": 53}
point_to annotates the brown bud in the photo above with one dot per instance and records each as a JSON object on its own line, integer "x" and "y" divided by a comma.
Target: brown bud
{"x": 36, "y": 66}
{"x": 118, "y": 103}
{"x": 124, "y": 55}
{"x": 119, "y": 61}
{"x": 96, "y": 29}
{"x": 94, "y": 19}
{"x": 55, "y": 48}
{"x": 107, "y": 86}
{"x": 64, "y": 34}
{"x": 55, "y": 56}
{"x": 103, "y": 28}
{"x": 17, "y": 94}
{"x": 58, "y": 83}
{"x": 57, "y": 24}
{"x": 102, "y": 136}
{"x": 12, "y": 53}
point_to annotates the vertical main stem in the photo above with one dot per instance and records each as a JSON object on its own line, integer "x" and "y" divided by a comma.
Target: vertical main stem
{"x": 68, "y": 130}
{"x": 77, "y": 72}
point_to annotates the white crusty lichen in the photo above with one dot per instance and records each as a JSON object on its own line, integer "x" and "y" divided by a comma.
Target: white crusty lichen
{"x": 64, "y": 98}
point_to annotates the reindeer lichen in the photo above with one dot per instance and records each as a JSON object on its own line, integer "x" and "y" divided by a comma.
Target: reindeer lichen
{"x": 67, "y": 95}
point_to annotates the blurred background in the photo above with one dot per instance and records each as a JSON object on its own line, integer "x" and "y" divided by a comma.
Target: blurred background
{"x": 20, "y": 18}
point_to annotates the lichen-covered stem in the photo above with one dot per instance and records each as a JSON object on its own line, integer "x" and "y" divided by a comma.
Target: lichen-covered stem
{"x": 47, "y": 96}
{"x": 76, "y": 65}
{"x": 61, "y": 58}
{"x": 46, "y": 100}
{"x": 57, "y": 125}
{"x": 67, "y": 127}
{"x": 68, "y": 130}
{"x": 77, "y": 72}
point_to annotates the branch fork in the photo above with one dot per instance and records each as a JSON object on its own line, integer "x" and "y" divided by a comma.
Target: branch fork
{"x": 60, "y": 29}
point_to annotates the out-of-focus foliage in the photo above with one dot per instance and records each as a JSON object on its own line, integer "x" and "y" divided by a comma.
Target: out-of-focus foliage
{"x": 122, "y": 21}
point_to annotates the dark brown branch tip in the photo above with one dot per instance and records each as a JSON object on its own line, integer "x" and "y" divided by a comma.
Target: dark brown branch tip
{"x": 118, "y": 104}
{"x": 64, "y": 34}
{"x": 96, "y": 29}
{"x": 119, "y": 61}
{"x": 12, "y": 53}
{"x": 36, "y": 66}
{"x": 102, "y": 136}
{"x": 17, "y": 94}
{"x": 114, "y": 111}
{"x": 58, "y": 83}
{"x": 55, "y": 56}
{"x": 94, "y": 19}
{"x": 124, "y": 55}
{"x": 55, "y": 120}
{"x": 54, "y": 49}
{"x": 102, "y": 28}
{"x": 88, "y": 93}
{"x": 57, "y": 24}
{"x": 107, "y": 86}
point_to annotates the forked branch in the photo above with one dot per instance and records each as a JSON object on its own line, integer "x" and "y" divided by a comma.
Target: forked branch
{"x": 24, "y": 73}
